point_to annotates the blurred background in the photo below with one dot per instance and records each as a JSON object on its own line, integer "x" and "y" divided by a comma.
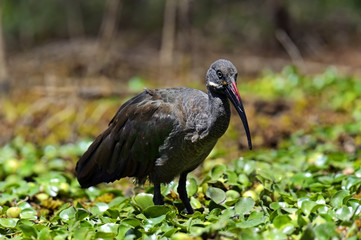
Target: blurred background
{"x": 66, "y": 66}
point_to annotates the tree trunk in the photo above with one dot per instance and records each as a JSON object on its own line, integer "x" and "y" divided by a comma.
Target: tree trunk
{"x": 107, "y": 33}
{"x": 74, "y": 19}
{"x": 109, "y": 23}
{"x": 168, "y": 34}
{"x": 185, "y": 26}
{"x": 4, "y": 78}
{"x": 283, "y": 31}
{"x": 184, "y": 39}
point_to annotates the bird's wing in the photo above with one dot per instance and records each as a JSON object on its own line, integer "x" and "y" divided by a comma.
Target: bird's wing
{"x": 130, "y": 145}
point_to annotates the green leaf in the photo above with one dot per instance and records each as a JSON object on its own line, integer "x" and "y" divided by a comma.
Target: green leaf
{"x": 244, "y": 205}
{"x": 99, "y": 209}
{"x": 318, "y": 207}
{"x": 343, "y": 213}
{"x": 254, "y": 219}
{"x": 169, "y": 233}
{"x": 8, "y": 222}
{"x": 216, "y": 194}
{"x": 6, "y": 197}
{"x": 232, "y": 195}
{"x": 217, "y": 172}
{"x": 57, "y": 213}
{"x": 306, "y": 205}
{"x": 44, "y": 234}
{"x": 266, "y": 174}
{"x": 67, "y": 214}
{"x": 111, "y": 213}
{"x": 108, "y": 230}
{"x": 122, "y": 230}
{"x": 192, "y": 187}
{"x": 354, "y": 205}
{"x": 84, "y": 233}
{"x": 81, "y": 214}
{"x": 277, "y": 205}
{"x": 352, "y": 181}
{"x": 325, "y": 231}
{"x": 92, "y": 192}
{"x": 242, "y": 178}
{"x": 301, "y": 178}
{"x": 213, "y": 205}
{"x": 275, "y": 234}
{"x": 152, "y": 222}
{"x": 181, "y": 236}
{"x": 232, "y": 177}
{"x": 246, "y": 166}
{"x": 28, "y": 213}
{"x": 117, "y": 202}
{"x": 143, "y": 200}
{"x": 28, "y": 230}
{"x": 337, "y": 199}
{"x": 308, "y": 233}
{"x": 301, "y": 220}
{"x": 25, "y": 205}
{"x": 250, "y": 223}
{"x": 167, "y": 188}
{"x": 249, "y": 233}
{"x": 317, "y": 187}
{"x": 131, "y": 222}
{"x": 156, "y": 211}
{"x": 195, "y": 203}
{"x": 281, "y": 220}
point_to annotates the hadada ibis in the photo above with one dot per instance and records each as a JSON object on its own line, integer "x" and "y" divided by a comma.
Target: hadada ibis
{"x": 164, "y": 133}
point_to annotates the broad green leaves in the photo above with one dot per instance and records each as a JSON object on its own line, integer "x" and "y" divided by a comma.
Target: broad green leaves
{"x": 306, "y": 188}
{"x": 8, "y": 222}
{"x": 262, "y": 196}
{"x": 143, "y": 200}
{"x": 244, "y": 206}
{"x": 216, "y": 194}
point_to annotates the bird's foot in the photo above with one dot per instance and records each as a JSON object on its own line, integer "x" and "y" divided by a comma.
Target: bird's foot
{"x": 189, "y": 210}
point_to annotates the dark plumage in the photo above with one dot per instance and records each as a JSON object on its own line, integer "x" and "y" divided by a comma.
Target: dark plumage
{"x": 163, "y": 133}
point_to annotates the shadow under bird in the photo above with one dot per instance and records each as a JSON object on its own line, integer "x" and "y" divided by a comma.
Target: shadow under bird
{"x": 164, "y": 133}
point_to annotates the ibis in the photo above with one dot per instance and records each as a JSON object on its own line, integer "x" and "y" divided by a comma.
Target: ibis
{"x": 164, "y": 133}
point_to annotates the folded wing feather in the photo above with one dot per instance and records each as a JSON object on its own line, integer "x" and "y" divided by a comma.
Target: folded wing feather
{"x": 130, "y": 145}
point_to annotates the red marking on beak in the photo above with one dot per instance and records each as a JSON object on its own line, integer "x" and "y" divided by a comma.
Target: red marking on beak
{"x": 235, "y": 90}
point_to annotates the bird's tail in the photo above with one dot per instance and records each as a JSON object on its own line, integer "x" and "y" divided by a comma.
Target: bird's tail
{"x": 92, "y": 168}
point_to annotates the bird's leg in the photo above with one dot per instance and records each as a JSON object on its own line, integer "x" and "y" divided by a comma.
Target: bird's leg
{"x": 182, "y": 191}
{"x": 157, "y": 197}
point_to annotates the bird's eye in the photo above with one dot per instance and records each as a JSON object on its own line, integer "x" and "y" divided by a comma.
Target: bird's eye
{"x": 219, "y": 74}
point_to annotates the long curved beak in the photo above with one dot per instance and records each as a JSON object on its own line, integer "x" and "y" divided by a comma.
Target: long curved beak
{"x": 233, "y": 94}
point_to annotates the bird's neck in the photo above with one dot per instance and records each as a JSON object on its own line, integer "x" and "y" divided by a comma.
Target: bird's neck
{"x": 219, "y": 113}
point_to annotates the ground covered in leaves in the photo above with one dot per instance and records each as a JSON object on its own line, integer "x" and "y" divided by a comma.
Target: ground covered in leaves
{"x": 302, "y": 181}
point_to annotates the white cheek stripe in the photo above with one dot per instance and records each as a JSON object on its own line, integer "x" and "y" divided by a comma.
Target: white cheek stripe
{"x": 212, "y": 84}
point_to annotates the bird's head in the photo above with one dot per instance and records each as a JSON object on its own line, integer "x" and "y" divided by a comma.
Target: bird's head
{"x": 220, "y": 74}
{"x": 222, "y": 79}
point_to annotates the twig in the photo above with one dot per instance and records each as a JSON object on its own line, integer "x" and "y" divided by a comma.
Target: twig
{"x": 290, "y": 47}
